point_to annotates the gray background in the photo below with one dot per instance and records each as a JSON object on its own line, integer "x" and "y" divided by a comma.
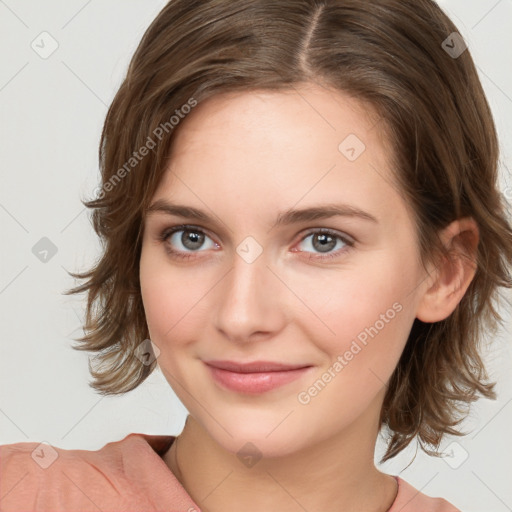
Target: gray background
{"x": 51, "y": 112}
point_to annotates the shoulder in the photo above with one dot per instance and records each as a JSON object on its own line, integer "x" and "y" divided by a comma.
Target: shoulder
{"x": 410, "y": 499}
{"x": 38, "y": 476}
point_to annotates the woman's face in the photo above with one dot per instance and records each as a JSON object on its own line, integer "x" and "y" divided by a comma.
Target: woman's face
{"x": 269, "y": 272}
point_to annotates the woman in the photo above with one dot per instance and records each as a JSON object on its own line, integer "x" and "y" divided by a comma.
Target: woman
{"x": 303, "y": 230}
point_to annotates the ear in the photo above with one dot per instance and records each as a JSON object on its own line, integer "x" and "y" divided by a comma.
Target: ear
{"x": 451, "y": 278}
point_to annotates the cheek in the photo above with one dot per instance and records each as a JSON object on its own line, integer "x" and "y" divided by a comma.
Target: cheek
{"x": 369, "y": 314}
{"x": 159, "y": 304}
{"x": 371, "y": 317}
{"x": 173, "y": 300}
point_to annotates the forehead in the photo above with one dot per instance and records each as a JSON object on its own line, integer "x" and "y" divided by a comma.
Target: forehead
{"x": 269, "y": 149}
{"x": 278, "y": 117}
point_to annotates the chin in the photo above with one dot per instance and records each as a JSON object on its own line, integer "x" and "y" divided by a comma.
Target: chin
{"x": 257, "y": 435}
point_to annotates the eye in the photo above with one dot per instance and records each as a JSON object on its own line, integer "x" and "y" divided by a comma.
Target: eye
{"x": 325, "y": 241}
{"x": 182, "y": 241}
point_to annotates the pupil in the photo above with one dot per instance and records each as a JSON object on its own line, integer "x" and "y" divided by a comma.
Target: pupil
{"x": 192, "y": 239}
{"x": 327, "y": 242}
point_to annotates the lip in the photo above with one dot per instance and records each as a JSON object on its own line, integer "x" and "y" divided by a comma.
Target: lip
{"x": 255, "y": 377}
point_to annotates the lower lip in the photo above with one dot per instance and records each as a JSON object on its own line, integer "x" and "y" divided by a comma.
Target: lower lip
{"x": 255, "y": 383}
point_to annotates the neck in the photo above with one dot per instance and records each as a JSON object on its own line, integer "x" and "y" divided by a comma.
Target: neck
{"x": 337, "y": 473}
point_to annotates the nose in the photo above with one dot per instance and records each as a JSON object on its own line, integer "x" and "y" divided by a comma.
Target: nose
{"x": 250, "y": 301}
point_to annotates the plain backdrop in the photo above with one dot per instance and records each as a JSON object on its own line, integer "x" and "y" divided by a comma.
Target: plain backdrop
{"x": 52, "y": 108}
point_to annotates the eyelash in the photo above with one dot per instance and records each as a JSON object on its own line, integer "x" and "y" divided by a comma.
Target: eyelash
{"x": 168, "y": 232}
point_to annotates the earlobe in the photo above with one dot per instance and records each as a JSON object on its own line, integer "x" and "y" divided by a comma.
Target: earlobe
{"x": 453, "y": 274}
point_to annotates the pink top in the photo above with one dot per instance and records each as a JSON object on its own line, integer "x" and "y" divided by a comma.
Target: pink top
{"x": 126, "y": 475}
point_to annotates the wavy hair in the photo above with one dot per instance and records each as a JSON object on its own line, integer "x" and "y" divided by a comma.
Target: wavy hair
{"x": 399, "y": 57}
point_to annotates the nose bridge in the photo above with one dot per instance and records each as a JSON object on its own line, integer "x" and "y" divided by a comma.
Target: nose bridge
{"x": 248, "y": 301}
{"x": 247, "y": 284}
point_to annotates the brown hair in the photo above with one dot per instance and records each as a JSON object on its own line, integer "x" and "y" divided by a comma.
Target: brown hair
{"x": 387, "y": 53}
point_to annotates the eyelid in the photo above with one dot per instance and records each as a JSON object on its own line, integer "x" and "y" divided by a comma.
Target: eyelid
{"x": 329, "y": 231}
{"x": 165, "y": 233}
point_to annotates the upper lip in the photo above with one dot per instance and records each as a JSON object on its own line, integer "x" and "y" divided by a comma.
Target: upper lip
{"x": 254, "y": 366}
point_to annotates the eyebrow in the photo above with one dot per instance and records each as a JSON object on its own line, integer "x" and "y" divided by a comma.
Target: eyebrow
{"x": 291, "y": 216}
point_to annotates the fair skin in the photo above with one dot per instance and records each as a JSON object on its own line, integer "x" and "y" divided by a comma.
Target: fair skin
{"x": 243, "y": 159}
